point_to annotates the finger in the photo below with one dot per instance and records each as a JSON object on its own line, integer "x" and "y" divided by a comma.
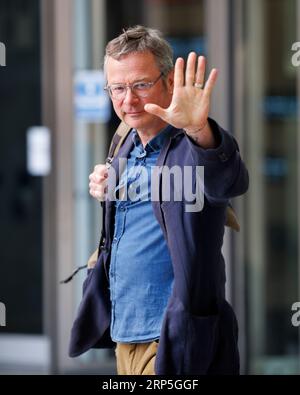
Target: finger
{"x": 156, "y": 110}
{"x": 178, "y": 73}
{"x": 190, "y": 69}
{"x": 211, "y": 82}
{"x": 98, "y": 192}
{"x": 96, "y": 178}
{"x": 100, "y": 169}
{"x": 94, "y": 193}
{"x": 97, "y": 186}
{"x": 98, "y": 196}
{"x": 94, "y": 185}
{"x": 200, "y": 75}
{"x": 93, "y": 177}
{"x": 99, "y": 178}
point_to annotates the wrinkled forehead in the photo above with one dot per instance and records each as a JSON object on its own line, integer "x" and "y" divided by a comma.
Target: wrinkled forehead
{"x": 133, "y": 65}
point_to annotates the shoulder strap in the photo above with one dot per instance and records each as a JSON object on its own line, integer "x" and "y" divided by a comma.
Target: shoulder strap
{"x": 117, "y": 140}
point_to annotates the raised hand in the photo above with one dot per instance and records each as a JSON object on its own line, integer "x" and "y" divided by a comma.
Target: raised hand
{"x": 190, "y": 103}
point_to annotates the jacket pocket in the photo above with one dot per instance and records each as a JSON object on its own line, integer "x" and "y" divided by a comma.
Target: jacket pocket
{"x": 200, "y": 343}
{"x": 187, "y": 343}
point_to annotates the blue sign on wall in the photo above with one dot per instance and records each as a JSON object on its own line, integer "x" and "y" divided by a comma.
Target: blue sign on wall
{"x": 91, "y": 102}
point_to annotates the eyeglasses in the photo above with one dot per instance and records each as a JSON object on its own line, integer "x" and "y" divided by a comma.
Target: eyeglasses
{"x": 140, "y": 89}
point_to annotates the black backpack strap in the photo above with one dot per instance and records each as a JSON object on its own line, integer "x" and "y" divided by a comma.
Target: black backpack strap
{"x": 116, "y": 143}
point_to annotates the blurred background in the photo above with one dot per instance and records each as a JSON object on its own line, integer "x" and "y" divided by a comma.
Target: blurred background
{"x": 56, "y": 124}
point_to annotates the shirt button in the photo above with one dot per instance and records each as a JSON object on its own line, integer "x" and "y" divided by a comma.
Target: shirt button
{"x": 142, "y": 155}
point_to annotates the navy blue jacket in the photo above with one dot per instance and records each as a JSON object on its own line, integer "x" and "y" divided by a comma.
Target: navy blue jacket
{"x": 199, "y": 331}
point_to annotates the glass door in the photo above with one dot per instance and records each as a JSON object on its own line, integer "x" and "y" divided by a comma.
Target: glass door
{"x": 21, "y": 287}
{"x": 267, "y": 116}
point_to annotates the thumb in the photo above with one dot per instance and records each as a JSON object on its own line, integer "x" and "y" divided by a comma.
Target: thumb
{"x": 155, "y": 110}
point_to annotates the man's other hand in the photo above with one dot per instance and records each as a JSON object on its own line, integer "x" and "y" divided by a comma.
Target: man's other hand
{"x": 98, "y": 182}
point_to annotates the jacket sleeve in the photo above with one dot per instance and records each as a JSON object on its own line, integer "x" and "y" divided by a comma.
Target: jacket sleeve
{"x": 225, "y": 174}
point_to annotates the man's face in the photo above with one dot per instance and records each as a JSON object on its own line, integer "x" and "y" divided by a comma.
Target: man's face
{"x": 139, "y": 67}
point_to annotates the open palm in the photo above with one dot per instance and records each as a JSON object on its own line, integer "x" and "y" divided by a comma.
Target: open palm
{"x": 190, "y": 104}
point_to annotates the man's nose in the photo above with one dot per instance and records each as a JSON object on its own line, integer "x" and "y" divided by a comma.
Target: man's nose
{"x": 130, "y": 96}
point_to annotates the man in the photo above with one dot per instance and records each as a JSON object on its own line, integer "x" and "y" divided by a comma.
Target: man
{"x": 162, "y": 301}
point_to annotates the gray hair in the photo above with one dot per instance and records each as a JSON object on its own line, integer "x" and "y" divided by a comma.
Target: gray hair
{"x": 142, "y": 39}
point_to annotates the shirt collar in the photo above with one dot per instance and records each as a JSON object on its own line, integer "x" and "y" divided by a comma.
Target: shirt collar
{"x": 156, "y": 143}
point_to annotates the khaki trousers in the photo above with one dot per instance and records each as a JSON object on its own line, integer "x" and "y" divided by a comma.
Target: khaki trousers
{"x": 136, "y": 359}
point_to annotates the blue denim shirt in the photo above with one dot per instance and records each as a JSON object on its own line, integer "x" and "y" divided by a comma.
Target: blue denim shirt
{"x": 141, "y": 273}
